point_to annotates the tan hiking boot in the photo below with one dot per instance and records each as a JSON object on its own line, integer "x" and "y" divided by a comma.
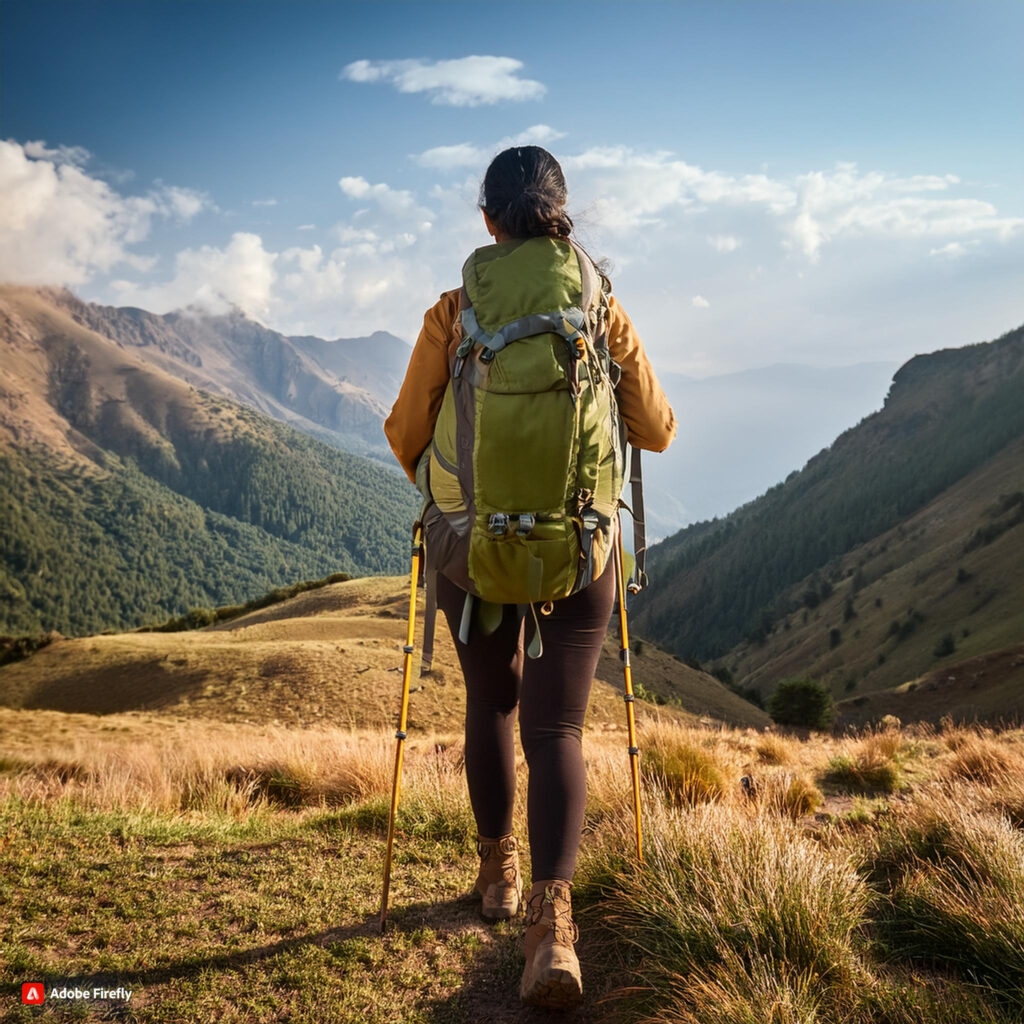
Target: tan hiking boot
{"x": 552, "y": 974}
{"x": 499, "y": 881}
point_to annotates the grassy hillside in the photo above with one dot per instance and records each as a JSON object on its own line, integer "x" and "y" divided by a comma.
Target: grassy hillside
{"x": 947, "y": 413}
{"x": 328, "y": 656}
{"x": 232, "y": 872}
{"x": 130, "y": 495}
{"x": 946, "y": 585}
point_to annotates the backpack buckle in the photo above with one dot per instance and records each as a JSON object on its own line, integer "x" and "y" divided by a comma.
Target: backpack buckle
{"x": 526, "y": 523}
{"x": 497, "y": 524}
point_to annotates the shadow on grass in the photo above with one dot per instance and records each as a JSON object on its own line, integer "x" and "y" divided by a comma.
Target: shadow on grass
{"x": 193, "y": 966}
{"x": 490, "y": 990}
{"x": 491, "y": 972}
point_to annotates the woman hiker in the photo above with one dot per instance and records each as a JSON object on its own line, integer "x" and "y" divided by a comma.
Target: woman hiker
{"x": 522, "y": 199}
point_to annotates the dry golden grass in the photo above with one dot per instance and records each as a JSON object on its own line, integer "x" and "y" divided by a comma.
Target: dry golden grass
{"x": 772, "y": 748}
{"x": 794, "y": 796}
{"x": 728, "y": 869}
{"x": 872, "y": 764}
{"x": 327, "y": 657}
{"x": 684, "y": 766}
{"x": 978, "y": 757}
{"x": 200, "y": 765}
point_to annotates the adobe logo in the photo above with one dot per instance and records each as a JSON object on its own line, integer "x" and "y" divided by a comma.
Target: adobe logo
{"x": 32, "y": 992}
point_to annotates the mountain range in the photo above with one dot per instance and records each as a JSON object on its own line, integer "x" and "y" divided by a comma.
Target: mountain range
{"x": 339, "y": 391}
{"x": 130, "y": 494}
{"x": 155, "y": 464}
{"x": 891, "y": 551}
{"x": 739, "y": 433}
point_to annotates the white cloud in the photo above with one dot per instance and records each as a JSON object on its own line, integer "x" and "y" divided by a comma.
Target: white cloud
{"x": 954, "y": 250}
{"x": 383, "y": 266}
{"x": 621, "y": 190}
{"x": 58, "y": 225}
{"x": 442, "y": 158}
{"x": 77, "y": 155}
{"x": 724, "y": 243}
{"x": 465, "y": 154}
{"x": 809, "y": 254}
{"x": 630, "y": 189}
{"x": 464, "y": 82}
{"x": 387, "y": 197}
{"x": 241, "y": 274}
{"x": 846, "y": 202}
{"x": 264, "y": 202}
{"x": 183, "y": 203}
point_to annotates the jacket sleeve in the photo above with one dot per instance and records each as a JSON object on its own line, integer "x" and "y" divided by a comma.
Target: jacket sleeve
{"x": 410, "y": 426}
{"x": 650, "y": 421}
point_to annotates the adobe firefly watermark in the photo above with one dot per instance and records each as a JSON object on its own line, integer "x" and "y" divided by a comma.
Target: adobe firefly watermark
{"x": 35, "y": 993}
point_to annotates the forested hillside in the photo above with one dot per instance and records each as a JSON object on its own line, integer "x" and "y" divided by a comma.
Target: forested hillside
{"x": 130, "y": 496}
{"x": 931, "y": 611}
{"x": 716, "y": 583}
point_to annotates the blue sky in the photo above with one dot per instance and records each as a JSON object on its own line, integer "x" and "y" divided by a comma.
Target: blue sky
{"x": 820, "y": 182}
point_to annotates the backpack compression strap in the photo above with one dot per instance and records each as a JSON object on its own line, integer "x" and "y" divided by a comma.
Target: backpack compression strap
{"x": 569, "y": 323}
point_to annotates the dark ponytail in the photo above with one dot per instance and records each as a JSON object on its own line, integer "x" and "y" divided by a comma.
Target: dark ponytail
{"x": 524, "y": 194}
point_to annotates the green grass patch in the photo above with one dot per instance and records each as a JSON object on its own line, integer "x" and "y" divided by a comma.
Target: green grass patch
{"x": 685, "y": 771}
{"x": 865, "y": 775}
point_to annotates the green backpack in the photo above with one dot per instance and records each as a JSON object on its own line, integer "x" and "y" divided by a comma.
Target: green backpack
{"x": 523, "y": 476}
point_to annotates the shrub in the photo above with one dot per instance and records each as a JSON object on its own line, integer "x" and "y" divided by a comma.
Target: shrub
{"x": 722, "y": 674}
{"x": 868, "y": 770}
{"x": 802, "y": 702}
{"x": 792, "y": 795}
{"x": 688, "y": 773}
{"x": 774, "y": 749}
{"x": 946, "y": 646}
{"x": 14, "y": 648}
{"x": 197, "y": 618}
{"x": 979, "y": 759}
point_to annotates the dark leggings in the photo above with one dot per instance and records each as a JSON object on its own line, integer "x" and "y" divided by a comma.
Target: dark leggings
{"x": 550, "y": 694}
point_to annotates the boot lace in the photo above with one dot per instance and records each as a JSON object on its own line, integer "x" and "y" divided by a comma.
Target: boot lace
{"x": 560, "y": 921}
{"x": 506, "y": 848}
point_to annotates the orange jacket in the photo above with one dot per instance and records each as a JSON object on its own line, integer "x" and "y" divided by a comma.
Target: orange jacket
{"x": 649, "y": 419}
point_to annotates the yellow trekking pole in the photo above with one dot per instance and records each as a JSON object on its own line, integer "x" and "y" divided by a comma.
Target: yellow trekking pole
{"x": 417, "y": 554}
{"x": 634, "y": 750}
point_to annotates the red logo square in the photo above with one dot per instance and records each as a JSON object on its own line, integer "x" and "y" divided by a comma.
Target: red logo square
{"x": 32, "y": 992}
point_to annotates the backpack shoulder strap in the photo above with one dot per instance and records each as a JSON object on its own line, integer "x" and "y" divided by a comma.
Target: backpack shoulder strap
{"x": 590, "y": 279}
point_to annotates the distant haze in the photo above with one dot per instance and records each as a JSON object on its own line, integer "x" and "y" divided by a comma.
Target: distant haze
{"x": 741, "y": 433}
